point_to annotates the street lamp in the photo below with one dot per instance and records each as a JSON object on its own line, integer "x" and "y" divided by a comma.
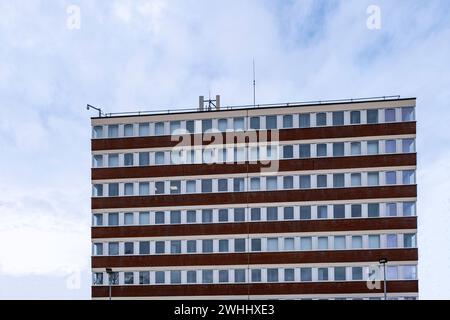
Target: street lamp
{"x": 383, "y": 261}
{"x": 109, "y": 271}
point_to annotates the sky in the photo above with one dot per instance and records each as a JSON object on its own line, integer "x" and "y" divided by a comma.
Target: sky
{"x": 55, "y": 57}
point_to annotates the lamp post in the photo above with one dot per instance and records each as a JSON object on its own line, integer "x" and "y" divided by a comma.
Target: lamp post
{"x": 109, "y": 271}
{"x": 383, "y": 261}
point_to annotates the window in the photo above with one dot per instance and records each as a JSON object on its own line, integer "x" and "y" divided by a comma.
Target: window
{"x": 288, "y": 274}
{"x": 128, "y": 218}
{"x": 113, "y": 219}
{"x": 159, "y": 157}
{"x": 175, "y": 217}
{"x": 355, "y": 148}
{"x": 144, "y": 218}
{"x": 372, "y": 116}
{"x": 288, "y": 182}
{"x": 321, "y": 150}
{"x": 255, "y": 214}
{"x": 288, "y": 121}
{"x": 389, "y": 115}
{"x": 255, "y": 123}
{"x": 239, "y": 245}
{"x": 206, "y": 185}
{"x": 190, "y": 126}
{"x": 98, "y": 249}
{"x": 305, "y": 212}
{"x": 175, "y": 276}
{"x": 304, "y": 120}
{"x": 144, "y": 188}
{"x": 355, "y": 117}
{"x": 392, "y": 273}
{"x": 128, "y": 189}
{"x": 408, "y": 114}
{"x": 113, "y": 160}
{"x": 191, "y": 216}
{"x": 98, "y": 220}
{"x": 338, "y": 180}
{"x": 239, "y": 214}
{"x": 322, "y": 181}
{"x": 113, "y": 131}
{"x": 272, "y": 244}
{"x": 305, "y": 274}
{"x": 256, "y": 275}
{"x": 254, "y": 184}
{"x": 207, "y": 215}
{"x": 256, "y": 244}
{"x": 339, "y": 243}
{"x": 191, "y": 246}
{"x": 391, "y": 177}
{"x": 391, "y": 209}
{"x": 356, "y": 179}
{"x": 305, "y": 182}
{"x": 391, "y": 241}
{"x": 373, "y": 178}
{"x": 271, "y": 183}
{"x": 322, "y": 274}
{"x": 357, "y": 273}
{"x": 238, "y": 184}
{"x": 288, "y": 243}
{"x": 207, "y": 246}
{"x": 144, "y": 129}
{"x": 305, "y": 243}
{"x": 113, "y": 248}
{"x": 272, "y": 275}
{"x": 338, "y": 149}
{"x": 339, "y": 211}
{"x": 239, "y": 275}
{"x": 408, "y": 177}
{"x": 322, "y": 243}
{"x": 271, "y": 122}
{"x": 128, "y": 130}
{"x": 206, "y": 125}
{"x": 129, "y": 247}
{"x": 409, "y": 240}
{"x": 390, "y": 146}
{"x": 223, "y": 245}
{"x": 356, "y": 242}
{"x": 191, "y": 276}
{"x": 97, "y": 161}
{"x": 239, "y": 124}
{"x": 223, "y": 276}
{"x": 338, "y": 118}
{"x": 175, "y": 187}
{"x": 373, "y": 210}
{"x": 321, "y": 119}
{"x": 409, "y": 209}
{"x": 374, "y": 241}
{"x": 288, "y": 213}
{"x": 409, "y": 272}
{"x": 223, "y": 125}
{"x": 356, "y": 210}
{"x": 159, "y": 128}
{"x": 128, "y": 277}
{"x": 372, "y": 147}
{"x": 191, "y": 186}
{"x": 272, "y": 213}
{"x": 223, "y": 215}
{"x": 175, "y": 127}
{"x": 207, "y": 276}
{"x": 339, "y": 274}
{"x": 144, "y": 277}
{"x": 322, "y": 212}
{"x": 144, "y": 158}
{"x": 305, "y": 151}
{"x": 160, "y": 277}
{"x": 160, "y": 247}
{"x": 97, "y": 132}
{"x": 288, "y": 152}
{"x": 408, "y": 146}
{"x": 144, "y": 247}
{"x": 160, "y": 217}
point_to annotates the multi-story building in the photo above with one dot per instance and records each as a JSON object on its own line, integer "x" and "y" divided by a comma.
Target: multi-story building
{"x": 288, "y": 201}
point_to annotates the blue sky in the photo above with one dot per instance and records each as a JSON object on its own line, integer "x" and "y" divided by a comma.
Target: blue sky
{"x": 160, "y": 54}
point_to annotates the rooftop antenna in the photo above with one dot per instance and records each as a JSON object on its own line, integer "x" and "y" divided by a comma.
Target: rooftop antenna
{"x": 254, "y": 84}
{"x": 100, "y": 112}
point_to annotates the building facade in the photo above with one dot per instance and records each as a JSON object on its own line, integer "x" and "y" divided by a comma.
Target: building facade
{"x": 293, "y": 201}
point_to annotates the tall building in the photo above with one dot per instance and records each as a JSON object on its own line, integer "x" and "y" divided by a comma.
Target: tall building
{"x": 293, "y": 201}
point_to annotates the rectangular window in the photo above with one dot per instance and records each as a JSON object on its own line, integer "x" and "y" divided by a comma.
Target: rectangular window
{"x": 288, "y": 182}
{"x": 175, "y": 187}
{"x": 175, "y": 217}
{"x": 191, "y": 246}
{"x": 223, "y": 276}
{"x": 144, "y": 277}
{"x": 391, "y": 177}
{"x": 322, "y": 243}
{"x": 408, "y": 114}
{"x": 159, "y": 157}
{"x": 128, "y": 278}
{"x": 160, "y": 247}
{"x": 372, "y": 147}
{"x": 144, "y": 158}
{"x": 288, "y": 274}
{"x": 256, "y": 244}
{"x": 190, "y": 126}
{"x": 288, "y": 244}
{"x": 144, "y": 218}
{"x": 98, "y": 161}
{"x": 271, "y": 122}
{"x": 339, "y": 274}
{"x": 207, "y": 246}
{"x": 355, "y": 117}
{"x": 338, "y": 180}
{"x": 160, "y": 277}
{"x": 129, "y": 247}
{"x": 356, "y": 179}
{"x": 392, "y": 241}
{"x": 207, "y": 216}
{"x": 223, "y": 215}
{"x": 97, "y": 132}
{"x": 113, "y": 248}
{"x": 338, "y": 118}
{"x": 321, "y": 119}
{"x": 98, "y": 249}
{"x": 391, "y": 209}
{"x": 409, "y": 272}
{"x": 409, "y": 240}
{"x": 207, "y": 276}
{"x": 322, "y": 274}
{"x": 223, "y": 245}
{"x": 206, "y": 185}
{"x": 321, "y": 181}
{"x": 305, "y": 212}
{"x": 160, "y": 217}
{"x": 356, "y": 242}
{"x": 304, "y": 120}
{"x": 255, "y": 184}
{"x": 113, "y": 219}
{"x": 191, "y": 186}
{"x": 288, "y": 121}
{"x": 408, "y": 177}
{"x": 144, "y": 129}
{"x": 175, "y": 127}
{"x": 305, "y": 274}
{"x": 206, "y": 125}
{"x": 372, "y": 116}
{"x": 392, "y": 273}
{"x": 373, "y": 210}
{"x": 408, "y": 146}
{"x": 255, "y": 123}
{"x": 144, "y": 247}
{"x": 390, "y": 146}
{"x": 338, "y": 149}
{"x": 288, "y": 152}
{"x": 288, "y": 213}
{"x": 128, "y": 189}
{"x": 389, "y": 115}
{"x": 409, "y": 209}
{"x": 175, "y": 276}
{"x": 374, "y": 241}
{"x": 305, "y": 151}
{"x": 144, "y": 188}
{"x": 356, "y": 211}
{"x": 113, "y": 131}
{"x": 128, "y": 130}
{"x": 305, "y": 182}
{"x": 271, "y": 183}
{"x": 305, "y": 243}
{"x": 239, "y": 124}
{"x": 272, "y": 275}
{"x": 355, "y": 148}
{"x": 239, "y": 245}
{"x": 159, "y": 129}
{"x": 255, "y": 214}
{"x": 373, "y": 178}
{"x": 322, "y": 212}
{"x": 239, "y": 275}
{"x": 191, "y": 216}
{"x": 339, "y": 211}
{"x": 321, "y": 150}
{"x": 191, "y": 276}
{"x": 339, "y": 243}
{"x": 272, "y": 244}
{"x": 223, "y": 125}
{"x": 256, "y": 275}
{"x": 98, "y": 220}
{"x": 239, "y": 214}
{"x": 272, "y": 213}
{"x": 113, "y": 160}
{"x": 357, "y": 273}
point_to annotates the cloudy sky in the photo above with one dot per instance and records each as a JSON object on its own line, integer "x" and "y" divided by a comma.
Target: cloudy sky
{"x": 160, "y": 54}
